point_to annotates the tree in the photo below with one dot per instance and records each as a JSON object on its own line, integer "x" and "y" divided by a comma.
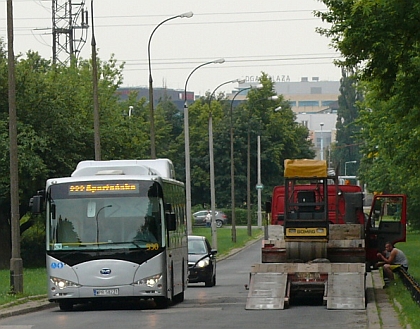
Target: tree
{"x": 55, "y": 125}
{"x": 346, "y": 147}
{"x": 381, "y": 40}
{"x": 273, "y": 120}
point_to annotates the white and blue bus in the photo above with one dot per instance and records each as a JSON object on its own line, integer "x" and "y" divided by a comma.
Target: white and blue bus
{"x": 115, "y": 230}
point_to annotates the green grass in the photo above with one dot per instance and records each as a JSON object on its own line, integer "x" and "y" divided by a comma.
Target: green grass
{"x": 35, "y": 280}
{"x": 408, "y": 310}
{"x": 224, "y": 238}
{"x": 34, "y": 284}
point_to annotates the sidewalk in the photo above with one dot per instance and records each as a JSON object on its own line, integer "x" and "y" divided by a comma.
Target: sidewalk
{"x": 25, "y": 305}
{"x": 380, "y": 311}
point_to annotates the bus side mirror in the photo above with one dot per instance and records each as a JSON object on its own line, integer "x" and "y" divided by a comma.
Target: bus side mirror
{"x": 35, "y": 203}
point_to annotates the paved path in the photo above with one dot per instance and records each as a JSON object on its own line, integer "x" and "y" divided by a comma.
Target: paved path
{"x": 380, "y": 311}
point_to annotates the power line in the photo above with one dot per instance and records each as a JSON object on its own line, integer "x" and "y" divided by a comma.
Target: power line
{"x": 228, "y": 66}
{"x": 242, "y": 59}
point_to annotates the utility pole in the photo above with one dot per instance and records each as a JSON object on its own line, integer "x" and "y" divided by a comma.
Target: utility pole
{"x": 97, "y": 135}
{"x": 68, "y": 22}
{"x": 16, "y": 265}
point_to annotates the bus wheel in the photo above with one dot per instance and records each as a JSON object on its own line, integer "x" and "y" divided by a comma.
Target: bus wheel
{"x": 65, "y": 306}
{"x": 161, "y": 302}
{"x": 179, "y": 298}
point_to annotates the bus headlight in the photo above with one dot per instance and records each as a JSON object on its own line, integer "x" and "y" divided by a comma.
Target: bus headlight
{"x": 62, "y": 283}
{"x": 203, "y": 263}
{"x": 151, "y": 281}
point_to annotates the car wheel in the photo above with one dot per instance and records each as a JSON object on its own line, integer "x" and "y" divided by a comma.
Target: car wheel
{"x": 219, "y": 223}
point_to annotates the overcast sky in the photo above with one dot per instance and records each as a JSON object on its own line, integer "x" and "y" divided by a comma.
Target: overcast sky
{"x": 274, "y": 36}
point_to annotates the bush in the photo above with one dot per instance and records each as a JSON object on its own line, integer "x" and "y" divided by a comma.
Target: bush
{"x": 33, "y": 246}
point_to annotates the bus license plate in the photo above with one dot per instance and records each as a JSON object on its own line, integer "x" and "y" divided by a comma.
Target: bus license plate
{"x": 105, "y": 292}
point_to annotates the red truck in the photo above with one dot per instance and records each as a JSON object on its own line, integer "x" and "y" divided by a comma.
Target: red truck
{"x": 320, "y": 240}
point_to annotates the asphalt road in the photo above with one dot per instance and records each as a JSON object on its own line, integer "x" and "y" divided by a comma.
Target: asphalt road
{"x": 222, "y": 306}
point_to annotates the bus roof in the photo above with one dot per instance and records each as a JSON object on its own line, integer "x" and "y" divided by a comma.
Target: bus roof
{"x": 158, "y": 167}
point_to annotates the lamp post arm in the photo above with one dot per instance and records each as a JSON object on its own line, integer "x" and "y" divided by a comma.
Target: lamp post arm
{"x": 150, "y": 40}
{"x": 214, "y": 91}
{"x": 187, "y": 15}
{"x": 188, "y": 78}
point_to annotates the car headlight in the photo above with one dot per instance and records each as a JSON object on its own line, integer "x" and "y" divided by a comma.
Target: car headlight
{"x": 151, "y": 281}
{"x": 203, "y": 263}
{"x": 62, "y": 283}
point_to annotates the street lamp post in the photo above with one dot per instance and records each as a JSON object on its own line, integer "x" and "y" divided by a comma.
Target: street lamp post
{"x": 96, "y": 126}
{"x": 152, "y": 119}
{"x": 232, "y": 168}
{"x": 248, "y": 192}
{"x": 345, "y": 166}
{"x": 232, "y": 165}
{"x": 322, "y": 142}
{"x": 212, "y": 187}
{"x": 187, "y": 146}
{"x": 16, "y": 264}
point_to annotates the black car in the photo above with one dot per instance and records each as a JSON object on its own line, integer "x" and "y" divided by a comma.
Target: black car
{"x": 201, "y": 261}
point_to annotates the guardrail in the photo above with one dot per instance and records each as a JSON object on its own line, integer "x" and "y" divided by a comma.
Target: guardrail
{"x": 410, "y": 284}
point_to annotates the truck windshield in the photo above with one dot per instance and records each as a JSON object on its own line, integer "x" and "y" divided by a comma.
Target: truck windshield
{"x": 103, "y": 215}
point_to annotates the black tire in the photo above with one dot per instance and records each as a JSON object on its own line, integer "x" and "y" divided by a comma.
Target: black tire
{"x": 161, "y": 302}
{"x": 65, "y": 306}
{"x": 179, "y": 298}
{"x": 209, "y": 283}
{"x": 368, "y": 266}
{"x": 219, "y": 223}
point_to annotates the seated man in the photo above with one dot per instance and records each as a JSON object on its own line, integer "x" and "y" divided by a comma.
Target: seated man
{"x": 391, "y": 260}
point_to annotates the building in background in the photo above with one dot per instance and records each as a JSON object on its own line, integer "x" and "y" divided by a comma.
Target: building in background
{"x": 313, "y": 101}
{"x": 176, "y": 96}
{"x": 322, "y": 131}
{"x": 305, "y": 96}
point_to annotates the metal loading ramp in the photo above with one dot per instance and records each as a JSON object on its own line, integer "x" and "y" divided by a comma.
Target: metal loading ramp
{"x": 266, "y": 291}
{"x": 344, "y": 289}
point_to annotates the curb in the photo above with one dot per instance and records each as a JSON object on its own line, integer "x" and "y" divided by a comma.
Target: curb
{"x": 373, "y": 318}
{"x": 28, "y": 307}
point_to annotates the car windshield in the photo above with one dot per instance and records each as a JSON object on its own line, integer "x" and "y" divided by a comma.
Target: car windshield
{"x": 197, "y": 247}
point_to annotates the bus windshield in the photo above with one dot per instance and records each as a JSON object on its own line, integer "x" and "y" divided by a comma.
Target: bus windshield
{"x": 104, "y": 215}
